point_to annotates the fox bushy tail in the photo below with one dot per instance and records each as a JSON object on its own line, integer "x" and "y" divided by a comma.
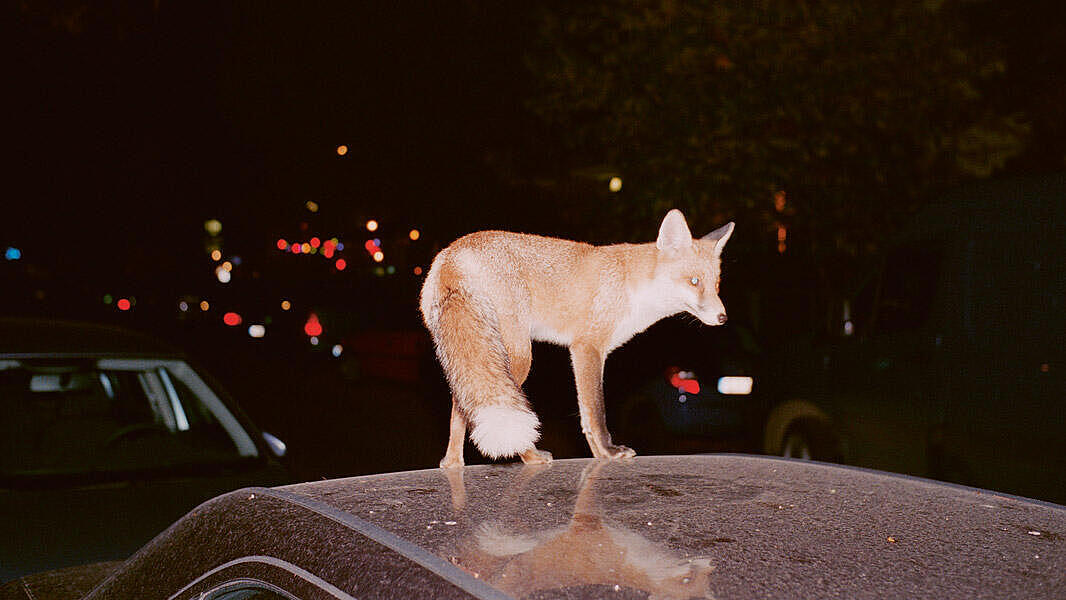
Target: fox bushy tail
{"x": 466, "y": 332}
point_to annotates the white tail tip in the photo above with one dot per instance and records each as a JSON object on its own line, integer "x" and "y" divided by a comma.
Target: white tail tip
{"x": 502, "y": 431}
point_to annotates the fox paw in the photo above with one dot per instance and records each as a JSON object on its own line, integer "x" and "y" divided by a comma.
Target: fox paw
{"x": 614, "y": 452}
{"x": 536, "y": 457}
{"x": 449, "y": 462}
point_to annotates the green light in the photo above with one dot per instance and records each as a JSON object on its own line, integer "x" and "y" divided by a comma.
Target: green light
{"x": 108, "y": 299}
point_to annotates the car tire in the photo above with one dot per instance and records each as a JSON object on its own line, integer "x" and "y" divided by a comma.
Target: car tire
{"x": 808, "y": 440}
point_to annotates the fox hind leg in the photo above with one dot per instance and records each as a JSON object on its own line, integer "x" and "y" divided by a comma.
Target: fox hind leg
{"x": 520, "y": 355}
{"x": 453, "y": 457}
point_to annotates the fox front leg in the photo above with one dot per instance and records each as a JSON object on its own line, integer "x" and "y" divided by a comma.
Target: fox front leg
{"x": 588, "y": 374}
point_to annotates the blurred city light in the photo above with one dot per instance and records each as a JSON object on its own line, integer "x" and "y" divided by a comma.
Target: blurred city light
{"x": 615, "y": 184}
{"x": 312, "y": 327}
{"x": 379, "y": 256}
{"x": 227, "y": 265}
{"x": 282, "y": 244}
{"x": 286, "y": 305}
{"x": 779, "y": 200}
{"x": 418, "y": 270}
{"x": 340, "y": 246}
{"x": 735, "y": 386}
{"x": 337, "y": 350}
{"x": 314, "y": 340}
{"x": 341, "y": 264}
{"x": 312, "y": 206}
{"x": 204, "y": 305}
{"x": 108, "y": 299}
{"x": 123, "y": 304}
{"x": 315, "y": 242}
{"x": 342, "y": 150}
{"x": 371, "y": 225}
{"x": 213, "y": 226}
{"x": 232, "y": 319}
{"x": 216, "y": 255}
{"x": 414, "y": 235}
{"x": 12, "y": 253}
{"x": 223, "y": 275}
{"x": 257, "y": 331}
{"x": 305, "y": 248}
{"x": 390, "y": 269}
{"x": 183, "y": 306}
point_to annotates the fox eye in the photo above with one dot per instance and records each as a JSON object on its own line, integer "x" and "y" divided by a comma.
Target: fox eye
{"x": 694, "y": 281}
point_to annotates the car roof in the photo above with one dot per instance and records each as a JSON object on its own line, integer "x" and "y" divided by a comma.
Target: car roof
{"x": 48, "y": 338}
{"x": 694, "y": 526}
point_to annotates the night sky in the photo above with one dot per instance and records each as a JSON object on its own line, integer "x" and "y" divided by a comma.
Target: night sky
{"x": 133, "y": 122}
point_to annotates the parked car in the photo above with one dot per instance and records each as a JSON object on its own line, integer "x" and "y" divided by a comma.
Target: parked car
{"x": 106, "y": 437}
{"x": 723, "y": 526}
{"x": 684, "y": 388}
{"x": 949, "y": 362}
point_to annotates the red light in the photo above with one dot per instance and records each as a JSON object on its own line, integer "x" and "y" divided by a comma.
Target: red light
{"x": 690, "y": 386}
{"x": 371, "y": 247}
{"x": 312, "y": 327}
{"x": 341, "y": 264}
{"x": 123, "y": 304}
{"x": 295, "y": 248}
{"x": 315, "y": 242}
{"x": 282, "y": 244}
{"x": 327, "y": 250}
{"x": 232, "y": 319}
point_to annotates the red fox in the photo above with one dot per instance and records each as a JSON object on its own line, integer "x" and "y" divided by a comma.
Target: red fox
{"x": 490, "y": 294}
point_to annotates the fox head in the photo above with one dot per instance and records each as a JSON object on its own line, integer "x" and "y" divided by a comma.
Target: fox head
{"x": 690, "y": 269}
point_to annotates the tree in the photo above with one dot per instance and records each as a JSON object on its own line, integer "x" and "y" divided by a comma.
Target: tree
{"x": 856, "y": 110}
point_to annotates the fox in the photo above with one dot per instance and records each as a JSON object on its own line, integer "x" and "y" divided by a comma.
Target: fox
{"x": 490, "y": 294}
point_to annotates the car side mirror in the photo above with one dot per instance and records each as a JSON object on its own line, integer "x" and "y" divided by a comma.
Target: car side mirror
{"x": 277, "y": 447}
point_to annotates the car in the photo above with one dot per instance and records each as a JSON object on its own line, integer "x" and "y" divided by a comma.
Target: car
{"x": 695, "y": 526}
{"x": 689, "y": 389}
{"x": 948, "y": 361}
{"x": 107, "y": 436}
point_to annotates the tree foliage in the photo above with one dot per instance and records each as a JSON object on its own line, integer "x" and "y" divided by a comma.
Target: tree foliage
{"x": 856, "y": 109}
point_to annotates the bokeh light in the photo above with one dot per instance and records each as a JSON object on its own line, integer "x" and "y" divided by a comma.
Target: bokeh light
{"x": 414, "y": 234}
{"x": 615, "y": 184}
{"x": 342, "y": 150}
{"x": 123, "y": 304}
{"x": 282, "y": 244}
{"x": 371, "y": 225}
{"x": 232, "y": 319}
{"x": 341, "y": 264}
{"x": 257, "y": 331}
{"x": 286, "y": 305}
{"x": 216, "y": 255}
{"x": 205, "y": 305}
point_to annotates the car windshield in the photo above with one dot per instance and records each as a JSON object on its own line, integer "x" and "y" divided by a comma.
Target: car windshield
{"x": 68, "y": 417}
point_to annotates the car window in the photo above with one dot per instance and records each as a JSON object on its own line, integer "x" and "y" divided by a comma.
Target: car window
{"x": 902, "y": 299}
{"x": 84, "y": 416}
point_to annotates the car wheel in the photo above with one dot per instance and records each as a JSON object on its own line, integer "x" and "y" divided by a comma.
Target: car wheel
{"x": 808, "y": 440}
{"x": 796, "y": 445}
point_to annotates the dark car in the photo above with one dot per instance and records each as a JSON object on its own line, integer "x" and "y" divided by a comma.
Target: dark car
{"x": 949, "y": 361}
{"x": 686, "y": 388}
{"x": 107, "y": 437}
{"x": 722, "y": 526}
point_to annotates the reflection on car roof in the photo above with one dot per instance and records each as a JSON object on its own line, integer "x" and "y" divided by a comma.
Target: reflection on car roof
{"x": 26, "y": 337}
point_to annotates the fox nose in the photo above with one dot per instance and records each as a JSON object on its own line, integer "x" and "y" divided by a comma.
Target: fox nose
{"x": 722, "y": 318}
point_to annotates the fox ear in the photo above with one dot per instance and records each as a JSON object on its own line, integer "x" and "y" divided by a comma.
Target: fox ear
{"x": 719, "y": 236}
{"x": 674, "y": 233}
